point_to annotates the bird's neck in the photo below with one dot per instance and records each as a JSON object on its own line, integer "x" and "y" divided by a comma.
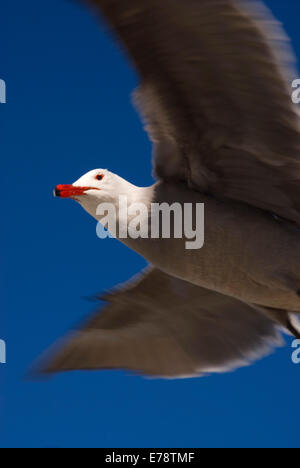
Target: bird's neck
{"x": 132, "y": 207}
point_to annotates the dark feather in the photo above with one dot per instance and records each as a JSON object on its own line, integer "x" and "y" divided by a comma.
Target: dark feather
{"x": 215, "y": 96}
{"x": 160, "y": 326}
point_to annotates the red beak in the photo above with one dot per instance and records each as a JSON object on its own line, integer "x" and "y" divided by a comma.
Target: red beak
{"x": 69, "y": 191}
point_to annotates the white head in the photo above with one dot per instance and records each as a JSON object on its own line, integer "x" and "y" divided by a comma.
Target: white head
{"x": 95, "y": 187}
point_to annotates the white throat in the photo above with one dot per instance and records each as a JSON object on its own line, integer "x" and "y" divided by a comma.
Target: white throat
{"x": 118, "y": 191}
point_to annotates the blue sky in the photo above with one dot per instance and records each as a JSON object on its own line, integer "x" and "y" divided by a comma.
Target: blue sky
{"x": 68, "y": 111}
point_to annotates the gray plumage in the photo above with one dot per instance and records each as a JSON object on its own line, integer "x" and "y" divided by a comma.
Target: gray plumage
{"x": 164, "y": 327}
{"x": 215, "y": 98}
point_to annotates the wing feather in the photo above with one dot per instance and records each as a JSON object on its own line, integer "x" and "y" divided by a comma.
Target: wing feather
{"x": 161, "y": 326}
{"x": 215, "y": 96}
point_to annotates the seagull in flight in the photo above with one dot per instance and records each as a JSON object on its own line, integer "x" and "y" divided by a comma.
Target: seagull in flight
{"x": 215, "y": 99}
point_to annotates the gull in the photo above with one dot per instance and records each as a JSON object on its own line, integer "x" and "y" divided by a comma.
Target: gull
{"x": 215, "y": 99}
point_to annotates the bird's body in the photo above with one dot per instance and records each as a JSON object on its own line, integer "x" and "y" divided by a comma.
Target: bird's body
{"x": 216, "y": 102}
{"x": 247, "y": 253}
{"x": 267, "y": 271}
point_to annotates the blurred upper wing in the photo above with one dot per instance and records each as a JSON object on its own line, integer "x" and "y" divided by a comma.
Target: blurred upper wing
{"x": 161, "y": 326}
{"x": 215, "y": 96}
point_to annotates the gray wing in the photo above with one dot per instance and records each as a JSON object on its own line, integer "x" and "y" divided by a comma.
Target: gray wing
{"x": 161, "y": 326}
{"x": 215, "y": 96}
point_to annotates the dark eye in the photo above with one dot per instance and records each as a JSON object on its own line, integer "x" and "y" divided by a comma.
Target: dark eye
{"x": 99, "y": 177}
